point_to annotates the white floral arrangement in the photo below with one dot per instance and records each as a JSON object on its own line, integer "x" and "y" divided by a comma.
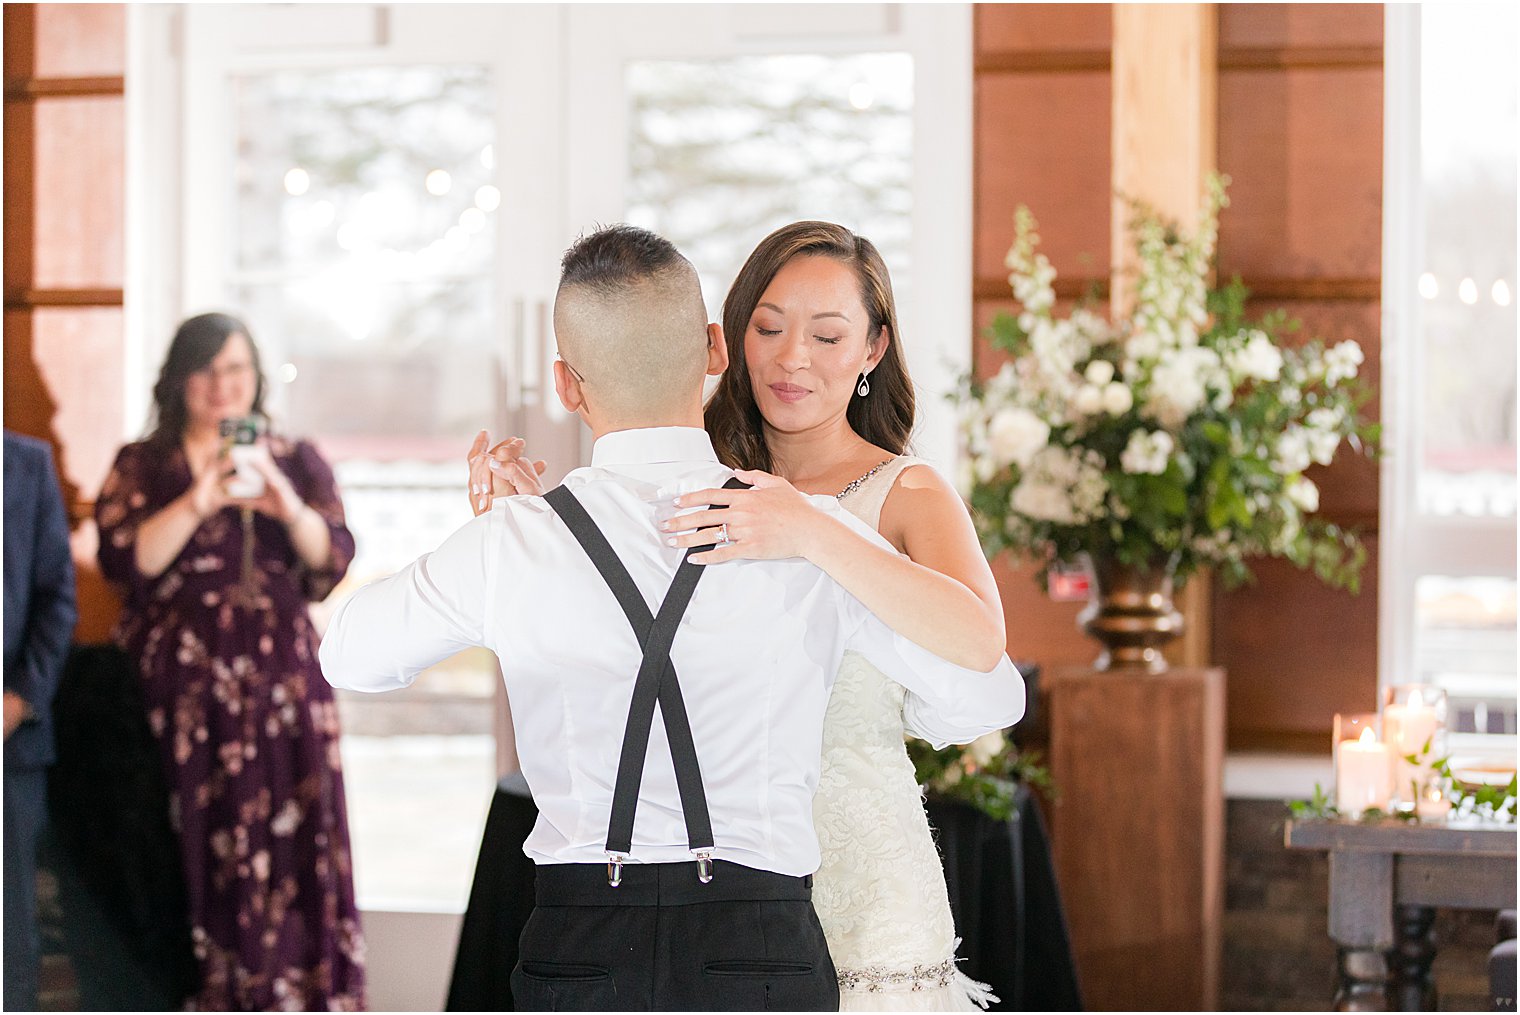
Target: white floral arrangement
{"x": 1180, "y": 435}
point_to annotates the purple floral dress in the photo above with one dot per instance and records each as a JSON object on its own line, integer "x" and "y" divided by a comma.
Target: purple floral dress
{"x": 248, "y": 731}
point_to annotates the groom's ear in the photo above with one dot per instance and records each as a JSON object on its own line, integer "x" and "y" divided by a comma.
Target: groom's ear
{"x": 567, "y": 388}
{"x": 717, "y": 350}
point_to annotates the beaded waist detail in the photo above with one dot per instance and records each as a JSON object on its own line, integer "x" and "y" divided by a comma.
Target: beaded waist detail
{"x": 875, "y": 979}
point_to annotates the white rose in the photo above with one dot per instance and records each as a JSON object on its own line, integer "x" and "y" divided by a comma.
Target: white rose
{"x": 1322, "y": 445}
{"x": 1293, "y": 451}
{"x": 1177, "y": 387}
{"x": 1117, "y": 398}
{"x": 1099, "y": 372}
{"x": 1258, "y": 358}
{"x": 1146, "y": 453}
{"x": 985, "y": 747}
{"x": 1042, "y": 501}
{"x": 1088, "y": 400}
{"x": 1341, "y": 362}
{"x": 1016, "y": 435}
{"x": 1325, "y": 419}
{"x": 1142, "y": 345}
{"x": 1304, "y": 494}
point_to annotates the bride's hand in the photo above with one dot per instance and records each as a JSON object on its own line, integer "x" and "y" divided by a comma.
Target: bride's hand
{"x": 501, "y": 471}
{"x": 769, "y": 522}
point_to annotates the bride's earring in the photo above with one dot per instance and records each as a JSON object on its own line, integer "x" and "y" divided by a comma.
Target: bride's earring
{"x": 864, "y": 388}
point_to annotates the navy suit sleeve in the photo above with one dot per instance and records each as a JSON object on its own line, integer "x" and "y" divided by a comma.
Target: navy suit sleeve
{"x": 50, "y": 626}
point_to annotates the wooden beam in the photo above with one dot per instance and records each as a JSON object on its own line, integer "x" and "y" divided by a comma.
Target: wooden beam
{"x": 54, "y": 88}
{"x": 1165, "y": 97}
{"x": 27, "y": 299}
{"x": 1300, "y": 57}
{"x": 1342, "y": 290}
{"x": 1165, "y": 112}
{"x": 1066, "y": 288}
{"x": 1351, "y": 290}
{"x": 1046, "y": 61}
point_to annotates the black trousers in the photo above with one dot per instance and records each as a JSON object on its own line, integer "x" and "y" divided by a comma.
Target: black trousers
{"x": 662, "y": 941}
{"x": 25, "y": 815}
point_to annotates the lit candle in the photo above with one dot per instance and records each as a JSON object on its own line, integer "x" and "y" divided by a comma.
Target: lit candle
{"x": 1433, "y": 805}
{"x": 1363, "y": 775}
{"x": 1409, "y": 728}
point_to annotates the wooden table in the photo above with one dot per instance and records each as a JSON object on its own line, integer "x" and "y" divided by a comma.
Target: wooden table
{"x": 1386, "y": 881}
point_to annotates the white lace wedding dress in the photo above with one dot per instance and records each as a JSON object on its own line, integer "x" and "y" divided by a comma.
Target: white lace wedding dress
{"x": 880, "y": 892}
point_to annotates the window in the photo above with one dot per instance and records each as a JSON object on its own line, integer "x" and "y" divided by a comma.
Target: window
{"x": 721, "y": 152}
{"x": 1448, "y": 548}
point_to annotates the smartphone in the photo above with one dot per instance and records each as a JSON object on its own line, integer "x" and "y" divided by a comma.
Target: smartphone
{"x": 241, "y": 436}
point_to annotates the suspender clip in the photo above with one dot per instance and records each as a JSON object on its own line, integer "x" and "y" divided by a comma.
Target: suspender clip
{"x": 615, "y": 869}
{"x": 704, "y": 865}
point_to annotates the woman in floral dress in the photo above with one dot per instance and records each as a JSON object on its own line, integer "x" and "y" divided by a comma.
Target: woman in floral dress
{"x": 215, "y": 614}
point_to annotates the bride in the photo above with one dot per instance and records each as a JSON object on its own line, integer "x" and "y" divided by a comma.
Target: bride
{"x": 817, "y": 400}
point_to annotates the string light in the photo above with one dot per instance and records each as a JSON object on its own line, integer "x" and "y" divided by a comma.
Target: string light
{"x": 472, "y": 220}
{"x": 1467, "y": 291}
{"x": 438, "y": 183}
{"x": 1501, "y": 293}
{"x": 488, "y": 198}
{"x": 1429, "y": 287}
{"x": 297, "y": 182}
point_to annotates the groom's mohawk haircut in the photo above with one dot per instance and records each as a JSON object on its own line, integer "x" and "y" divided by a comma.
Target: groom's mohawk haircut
{"x": 611, "y": 259}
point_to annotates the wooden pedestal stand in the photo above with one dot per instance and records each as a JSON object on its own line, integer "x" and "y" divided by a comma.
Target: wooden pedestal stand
{"x": 1138, "y": 832}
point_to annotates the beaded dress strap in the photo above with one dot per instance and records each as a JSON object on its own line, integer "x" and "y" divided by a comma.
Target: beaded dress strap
{"x": 858, "y": 483}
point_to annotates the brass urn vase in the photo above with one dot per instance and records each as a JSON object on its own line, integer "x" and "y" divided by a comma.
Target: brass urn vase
{"x": 1131, "y": 612}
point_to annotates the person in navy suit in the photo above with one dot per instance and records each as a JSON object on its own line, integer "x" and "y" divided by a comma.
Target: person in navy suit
{"x": 39, "y": 627}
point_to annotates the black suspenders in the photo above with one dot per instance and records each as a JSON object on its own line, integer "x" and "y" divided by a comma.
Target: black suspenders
{"x": 656, "y": 681}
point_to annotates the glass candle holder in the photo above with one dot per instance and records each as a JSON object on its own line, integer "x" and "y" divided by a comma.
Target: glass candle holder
{"x": 1363, "y": 764}
{"x": 1414, "y": 726}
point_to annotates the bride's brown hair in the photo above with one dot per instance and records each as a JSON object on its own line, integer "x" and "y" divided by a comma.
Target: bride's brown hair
{"x": 884, "y": 417}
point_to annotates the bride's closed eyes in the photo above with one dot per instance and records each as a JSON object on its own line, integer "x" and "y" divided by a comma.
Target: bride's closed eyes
{"x": 772, "y": 333}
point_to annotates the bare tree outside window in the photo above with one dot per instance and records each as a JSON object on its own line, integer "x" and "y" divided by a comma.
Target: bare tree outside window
{"x": 723, "y": 152}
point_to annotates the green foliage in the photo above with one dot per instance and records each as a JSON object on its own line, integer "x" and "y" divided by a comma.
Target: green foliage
{"x": 1317, "y": 806}
{"x": 985, "y": 779}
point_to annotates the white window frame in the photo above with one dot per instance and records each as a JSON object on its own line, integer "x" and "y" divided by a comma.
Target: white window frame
{"x": 1412, "y": 543}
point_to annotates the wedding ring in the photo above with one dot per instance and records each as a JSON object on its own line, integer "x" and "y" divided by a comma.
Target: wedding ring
{"x": 723, "y": 533}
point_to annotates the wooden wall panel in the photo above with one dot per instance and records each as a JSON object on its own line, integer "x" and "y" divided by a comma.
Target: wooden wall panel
{"x": 1300, "y": 26}
{"x": 79, "y": 358}
{"x": 1042, "y": 140}
{"x": 81, "y": 148}
{"x": 1304, "y": 151}
{"x": 1024, "y": 28}
{"x": 65, "y": 146}
{"x": 1297, "y": 653}
{"x": 29, "y": 406}
{"x": 1303, "y": 143}
{"x": 81, "y": 40}
{"x": 1039, "y": 629}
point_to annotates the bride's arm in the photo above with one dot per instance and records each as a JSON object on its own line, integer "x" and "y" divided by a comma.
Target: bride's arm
{"x": 941, "y": 596}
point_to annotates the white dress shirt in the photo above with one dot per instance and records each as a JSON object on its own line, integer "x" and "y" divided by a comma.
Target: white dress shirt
{"x": 756, "y": 654}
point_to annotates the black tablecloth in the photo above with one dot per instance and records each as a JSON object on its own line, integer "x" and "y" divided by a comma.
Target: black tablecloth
{"x": 1006, "y": 904}
{"x": 1002, "y": 892}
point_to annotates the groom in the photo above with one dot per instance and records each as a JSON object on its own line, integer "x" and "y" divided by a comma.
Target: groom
{"x": 670, "y": 730}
